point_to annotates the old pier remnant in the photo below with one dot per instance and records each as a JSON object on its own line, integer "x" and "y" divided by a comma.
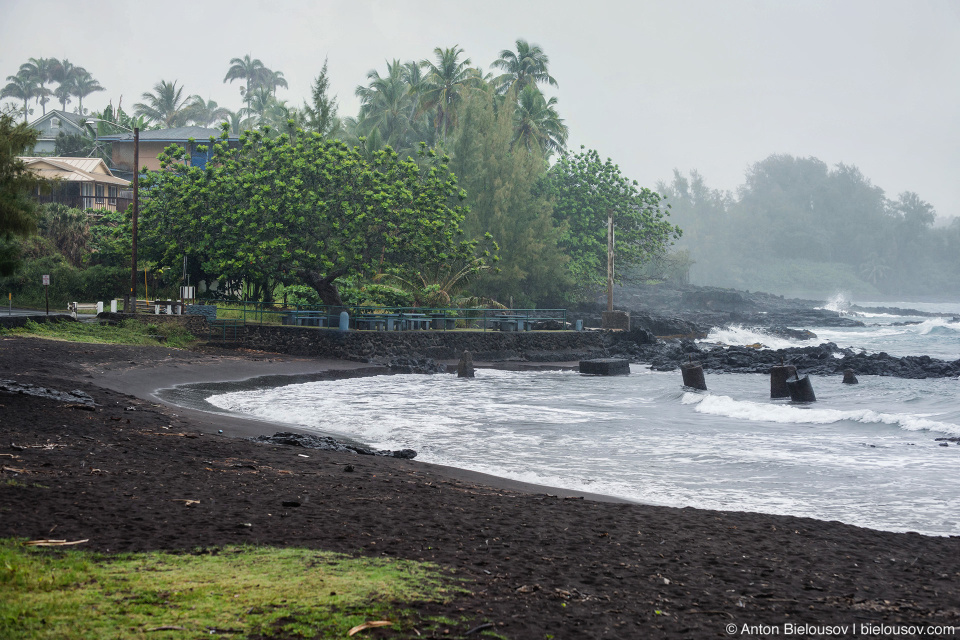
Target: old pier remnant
{"x": 605, "y": 367}
{"x": 778, "y": 380}
{"x": 693, "y": 375}
{"x": 465, "y": 366}
{"x": 801, "y": 390}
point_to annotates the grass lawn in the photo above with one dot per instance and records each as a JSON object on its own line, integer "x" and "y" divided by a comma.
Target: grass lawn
{"x": 55, "y": 593}
{"x": 127, "y": 332}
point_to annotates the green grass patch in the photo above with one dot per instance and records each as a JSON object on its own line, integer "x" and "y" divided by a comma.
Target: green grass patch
{"x": 238, "y": 591}
{"x": 126, "y": 332}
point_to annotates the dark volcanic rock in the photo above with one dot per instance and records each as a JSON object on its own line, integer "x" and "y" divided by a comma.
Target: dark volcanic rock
{"x": 824, "y": 359}
{"x": 327, "y": 443}
{"x": 76, "y": 396}
{"x": 410, "y": 364}
{"x": 668, "y": 327}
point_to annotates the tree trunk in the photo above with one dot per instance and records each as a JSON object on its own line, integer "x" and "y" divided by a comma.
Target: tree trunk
{"x": 324, "y": 286}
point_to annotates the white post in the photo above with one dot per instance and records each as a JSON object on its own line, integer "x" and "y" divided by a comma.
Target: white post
{"x": 113, "y": 306}
{"x": 99, "y": 307}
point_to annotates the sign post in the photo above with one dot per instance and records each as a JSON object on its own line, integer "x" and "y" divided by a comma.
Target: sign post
{"x": 46, "y": 291}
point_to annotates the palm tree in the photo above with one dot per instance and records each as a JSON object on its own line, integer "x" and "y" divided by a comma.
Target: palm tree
{"x": 206, "y": 112}
{"x": 258, "y": 102}
{"x": 65, "y": 73}
{"x": 271, "y": 80}
{"x": 444, "y": 86}
{"x": 537, "y": 124}
{"x": 83, "y": 85}
{"x": 237, "y": 121}
{"x": 165, "y": 106}
{"x": 63, "y": 93}
{"x": 41, "y": 71}
{"x": 528, "y": 66}
{"x": 442, "y": 285}
{"x": 247, "y": 70}
{"x": 385, "y": 105}
{"x": 20, "y": 87}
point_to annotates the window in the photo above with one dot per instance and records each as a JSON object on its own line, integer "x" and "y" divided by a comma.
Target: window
{"x": 112, "y": 192}
{"x": 99, "y": 194}
{"x": 86, "y": 193}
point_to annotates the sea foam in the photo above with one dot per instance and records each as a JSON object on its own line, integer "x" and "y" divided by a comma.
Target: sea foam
{"x": 789, "y": 414}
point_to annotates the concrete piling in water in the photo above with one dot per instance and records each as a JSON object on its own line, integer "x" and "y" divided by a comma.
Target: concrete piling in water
{"x": 605, "y": 367}
{"x": 778, "y": 380}
{"x": 801, "y": 390}
{"x": 465, "y": 366}
{"x": 693, "y": 375}
{"x": 849, "y": 377}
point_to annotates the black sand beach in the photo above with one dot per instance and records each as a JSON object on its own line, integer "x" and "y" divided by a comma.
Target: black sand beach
{"x": 537, "y": 562}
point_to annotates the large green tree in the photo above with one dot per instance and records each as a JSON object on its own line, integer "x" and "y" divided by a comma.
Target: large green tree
{"x": 307, "y": 210}
{"x": 501, "y": 181}
{"x": 587, "y": 191}
{"x": 17, "y": 207}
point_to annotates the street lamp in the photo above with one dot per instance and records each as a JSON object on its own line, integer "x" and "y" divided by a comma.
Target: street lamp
{"x": 136, "y": 206}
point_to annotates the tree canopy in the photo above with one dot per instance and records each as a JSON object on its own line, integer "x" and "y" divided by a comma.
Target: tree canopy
{"x": 17, "y": 208}
{"x": 587, "y": 191}
{"x": 308, "y": 210}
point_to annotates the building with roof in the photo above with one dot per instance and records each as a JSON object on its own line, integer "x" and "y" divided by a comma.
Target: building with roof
{"x": 153, "y": 142}
{"x": 52, "y": 125}
{"x": 82, "y": 183}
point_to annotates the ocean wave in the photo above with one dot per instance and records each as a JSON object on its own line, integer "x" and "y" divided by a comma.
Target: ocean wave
{"x": 740, "y": 336}
{"x": 787, "y": 414}
{"x": 938, "y": 326}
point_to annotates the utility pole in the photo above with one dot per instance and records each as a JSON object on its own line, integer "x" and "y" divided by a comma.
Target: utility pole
{"x": 136, "y": 207}
{"x": 610, "y": 260}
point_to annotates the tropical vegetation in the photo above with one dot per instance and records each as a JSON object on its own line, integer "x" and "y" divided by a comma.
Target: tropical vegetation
{"x": 797, "y": 225}
{"x": 454, "y": 182}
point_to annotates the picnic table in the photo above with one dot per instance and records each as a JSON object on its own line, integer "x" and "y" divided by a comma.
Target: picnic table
{"x": 377, "y": 321}
{"x": 305, "y": 319}
{"x": 415, "y": 320}
{"x": 513, "y": 322}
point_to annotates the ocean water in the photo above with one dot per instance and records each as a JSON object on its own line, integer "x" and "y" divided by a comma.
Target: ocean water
{"x": 937, "y": 337}
{"x": 863, "y": 454}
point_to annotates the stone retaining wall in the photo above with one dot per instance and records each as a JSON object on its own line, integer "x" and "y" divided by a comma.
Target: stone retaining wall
{"x": 537, "y": 346}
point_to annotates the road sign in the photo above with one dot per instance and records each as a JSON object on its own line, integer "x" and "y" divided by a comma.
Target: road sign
{"x": 46, "y": 281}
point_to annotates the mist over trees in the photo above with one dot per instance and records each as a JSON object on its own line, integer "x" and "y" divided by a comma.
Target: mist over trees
{"x": 797, "y": 225}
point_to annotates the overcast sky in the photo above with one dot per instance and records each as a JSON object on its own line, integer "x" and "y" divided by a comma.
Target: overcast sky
{"x": 656, "y": 85}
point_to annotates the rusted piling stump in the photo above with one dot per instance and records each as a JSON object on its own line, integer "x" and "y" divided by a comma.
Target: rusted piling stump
{"x": 801, "y": 390}
{"x": 778, "y": 380}
{"x": 693, "y": 375}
